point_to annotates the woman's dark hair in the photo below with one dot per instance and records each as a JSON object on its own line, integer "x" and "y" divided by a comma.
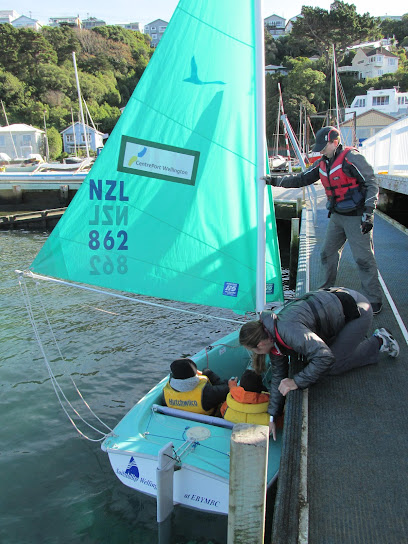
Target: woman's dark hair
{"x": 250, "y": 335}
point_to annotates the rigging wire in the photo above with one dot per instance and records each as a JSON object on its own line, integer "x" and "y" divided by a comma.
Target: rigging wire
{"x": 57, "y": 388}
{"x": 123, "y": 297}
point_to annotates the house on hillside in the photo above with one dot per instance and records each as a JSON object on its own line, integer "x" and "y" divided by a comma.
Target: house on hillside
{"x": 92, "y": 22}
{"x": 131, "y": 26}
{"x": 388, "y": 101}
{"x": 73, "y": 138}
{"x": 19, "y": 141}
{"x": 69, "y": 21}
{"x": 274, "y": 69}
{"x": 156, "y": 30}
{"x": 26, "y": 22}
{"x": 365, "y": 125}
{"x": 8, "y": 16}
{"x": 289, "y": 24}
{"x": 275, "y": 25}
{"x": 371, "y": 62}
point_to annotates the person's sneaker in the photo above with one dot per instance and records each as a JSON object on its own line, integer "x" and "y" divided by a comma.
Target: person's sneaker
{"x": 389, "y": 344}
{"x": 377, "y": 307}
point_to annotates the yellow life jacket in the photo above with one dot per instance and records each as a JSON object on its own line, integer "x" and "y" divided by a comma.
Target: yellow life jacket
{"x": 191, "y": 401}
{"x": 250, "y": 408}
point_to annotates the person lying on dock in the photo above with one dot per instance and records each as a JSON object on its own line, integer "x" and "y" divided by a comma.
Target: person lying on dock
{"x": 194, "y": 391}
{"x": 247, "y": 402}
{"x": 328, "y": 328}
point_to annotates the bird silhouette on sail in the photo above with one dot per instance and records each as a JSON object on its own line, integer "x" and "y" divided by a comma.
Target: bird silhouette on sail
{"x": 194, "y": 76}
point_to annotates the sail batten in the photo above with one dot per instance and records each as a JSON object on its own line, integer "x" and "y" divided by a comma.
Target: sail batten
{"x": 169, "y": 208}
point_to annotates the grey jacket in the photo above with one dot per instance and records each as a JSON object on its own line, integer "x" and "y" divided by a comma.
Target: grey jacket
{"x": 356, "y": 167}
{"x": 300, "y": 329}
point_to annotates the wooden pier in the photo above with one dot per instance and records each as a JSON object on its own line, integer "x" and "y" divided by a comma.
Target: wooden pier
{"x": 344, "y": 470}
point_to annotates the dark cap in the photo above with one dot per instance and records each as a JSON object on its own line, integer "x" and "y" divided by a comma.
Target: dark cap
{"x": 325, "y": 135}
{"x": 181, "y": 369}
{"x": 251, "y": 381}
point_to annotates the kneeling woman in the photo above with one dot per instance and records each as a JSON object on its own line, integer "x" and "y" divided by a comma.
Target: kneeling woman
{"x": 328, "y": 328}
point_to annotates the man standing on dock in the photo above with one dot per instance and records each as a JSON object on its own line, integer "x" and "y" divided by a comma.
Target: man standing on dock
{"x": 352, "y": 194}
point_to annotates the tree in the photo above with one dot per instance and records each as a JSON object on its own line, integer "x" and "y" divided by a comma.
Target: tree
{"x": 342, "y": 26}
{"x": 64, "y": 41}
{"x": 11, "y": 88}
{"x": 54, "y": 143}
{"x": 397, "y": 28}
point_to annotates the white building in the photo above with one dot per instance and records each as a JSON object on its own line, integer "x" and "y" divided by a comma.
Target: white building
{"x": 74, "y": 138}
{"x": 131, "y": 26}
{"x": 8, "y": 16}
{"x": 274, "y": 69}
{"x": 388, "y": 101}
{"x": 70, "y": 21}
{"x": 275, "y": 25}
{"x": 156, "y": 30}
{"x": 26, "y": 22}
{"x": 372, "y": 62}
{"x": 289, "y": 24}
{"x": 92, "y": 22}
{"x": 19, "y": 141}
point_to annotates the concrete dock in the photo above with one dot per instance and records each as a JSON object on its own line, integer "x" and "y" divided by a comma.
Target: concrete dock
{"x": 344, "y": 468}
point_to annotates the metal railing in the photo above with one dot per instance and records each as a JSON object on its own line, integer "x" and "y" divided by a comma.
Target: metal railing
{"x": 387, "y": 151}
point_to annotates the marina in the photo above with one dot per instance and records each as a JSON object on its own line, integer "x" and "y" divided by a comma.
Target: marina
{"x": 160, "y": 253}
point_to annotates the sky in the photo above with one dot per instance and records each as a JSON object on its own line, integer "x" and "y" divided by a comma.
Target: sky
{"x": 146, "y": 11}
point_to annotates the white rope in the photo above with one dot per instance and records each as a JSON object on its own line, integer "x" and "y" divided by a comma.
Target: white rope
{"x": 57, "y": 389}
{"x": 62, "y": 357}
{"x": 32, "y": 275}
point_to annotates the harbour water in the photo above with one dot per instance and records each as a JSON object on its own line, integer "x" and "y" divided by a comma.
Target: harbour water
{"x": 57, "y": 487}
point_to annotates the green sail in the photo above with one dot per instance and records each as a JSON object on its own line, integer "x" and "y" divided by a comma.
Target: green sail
{"x": 169, "y": 208}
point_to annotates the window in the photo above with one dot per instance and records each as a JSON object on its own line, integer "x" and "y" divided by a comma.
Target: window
{"x": 154, "y": 36}
{"x": 381, "y": 100}
{"x": 401, "y": 100}
{"x": 392, "y": 62}
{"x": 26, "y": 139}
{"x": 360, "y": 103}
{"x": 162, "y": 28}
{"x": 152, "y": 28}
{"x": 380, "y": 72}
{"x": 69, "y": 138}
{"x": 2, "y": 141}
{"x": 88, "y": 138}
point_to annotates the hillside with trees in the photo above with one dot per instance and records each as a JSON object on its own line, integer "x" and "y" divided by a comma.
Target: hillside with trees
{"x": 37, "y": 73}
{"x": 37, "y": 76}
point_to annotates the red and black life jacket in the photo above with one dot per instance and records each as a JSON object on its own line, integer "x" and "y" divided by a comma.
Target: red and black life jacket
{"x": 342, "y": 191}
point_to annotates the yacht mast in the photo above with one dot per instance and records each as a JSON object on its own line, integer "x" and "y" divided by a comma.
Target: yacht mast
{"x": 80, "y": 105}
{"x": 261, "y": 154}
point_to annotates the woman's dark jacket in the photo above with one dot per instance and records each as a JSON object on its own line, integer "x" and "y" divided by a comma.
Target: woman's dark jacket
{"x": 309, "y": 333}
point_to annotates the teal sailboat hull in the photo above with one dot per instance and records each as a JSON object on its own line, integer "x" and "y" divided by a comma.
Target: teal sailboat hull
{"x": 202, "y": 448}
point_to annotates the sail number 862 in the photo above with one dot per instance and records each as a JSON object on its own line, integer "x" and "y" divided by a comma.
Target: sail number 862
{"x": 108, "y": 242}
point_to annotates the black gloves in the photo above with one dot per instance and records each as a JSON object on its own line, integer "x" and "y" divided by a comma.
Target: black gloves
{"x": 272, "y": 180}
{"x": 367, "y": 222}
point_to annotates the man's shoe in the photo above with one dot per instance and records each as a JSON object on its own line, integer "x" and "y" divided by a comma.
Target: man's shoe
{"x": 389, "y": 344}
{"x": 377, "y": 307}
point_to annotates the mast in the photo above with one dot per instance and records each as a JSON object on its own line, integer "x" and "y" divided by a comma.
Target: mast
{"x": 261, "y": 154}
{"x": 80, "y": 105}
{"x": 335, "y": 89}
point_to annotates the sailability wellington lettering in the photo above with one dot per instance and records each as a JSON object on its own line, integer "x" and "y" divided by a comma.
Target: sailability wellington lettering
{"x": 108, "y": 226}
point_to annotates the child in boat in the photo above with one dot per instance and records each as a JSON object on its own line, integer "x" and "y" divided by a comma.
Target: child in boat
{"x": 194, "y": 391}
{"x": 248, "y": 402}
